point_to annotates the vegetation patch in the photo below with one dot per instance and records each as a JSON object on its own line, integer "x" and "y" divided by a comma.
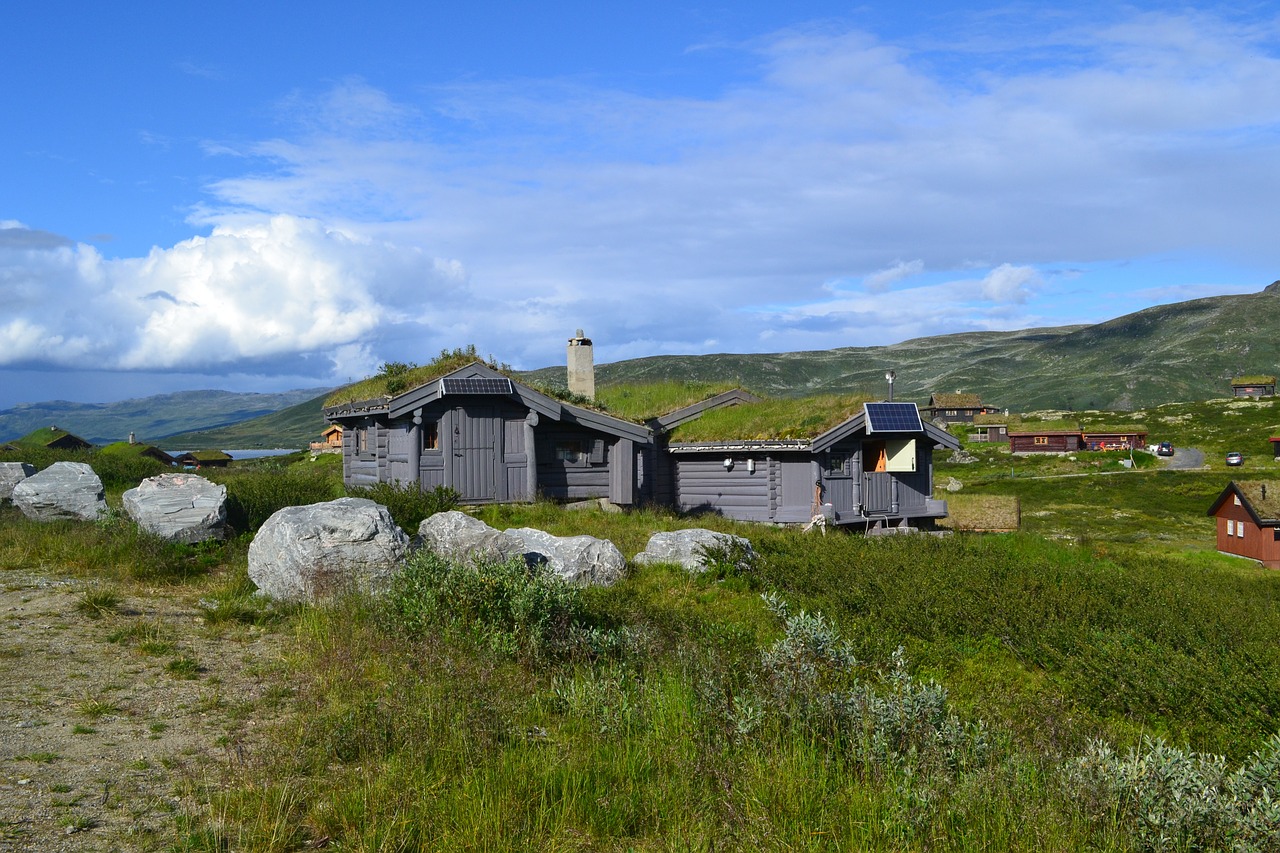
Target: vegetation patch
{"x": 803, "y": 418}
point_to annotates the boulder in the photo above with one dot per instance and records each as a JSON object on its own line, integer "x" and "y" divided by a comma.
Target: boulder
{"x": 11, "y": 474}
{"x": 64, "y": 490}
{"x": 583, "y": 560}
{"x": 304, "y": 553}
{"x": 458, "y": 537}
{"x": 179, "y": 507}
{"x": 686, "y": 548}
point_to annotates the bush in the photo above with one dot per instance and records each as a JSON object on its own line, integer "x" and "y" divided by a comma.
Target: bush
{"x": 1169, "y": 798}
{"x": 510, "y": 607}
{"x": 408, "y": 505}
{"x": 254, "y": 496}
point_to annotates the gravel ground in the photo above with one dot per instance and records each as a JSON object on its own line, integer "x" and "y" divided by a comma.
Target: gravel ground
{"x": 112, "y": 727}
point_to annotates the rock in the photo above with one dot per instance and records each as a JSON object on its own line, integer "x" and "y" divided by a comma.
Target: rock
{"x": 583, "y": 560}
{"x": 11, "y": 474}
{"x": 603, "y": 504}
{"x": 63, "y": 490}
{"x": 686, "y": 548}
{"x": 962, "y": 457}
{"x": 179, "y": 507}
{"x": 954, "y": 485}
{"x": 458, "y": 537}
{"x": 304, "y": 553}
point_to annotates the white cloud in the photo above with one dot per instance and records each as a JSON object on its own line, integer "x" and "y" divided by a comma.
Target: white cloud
{"x": 879, "y": 282}
{"x": 1007, "y": 283}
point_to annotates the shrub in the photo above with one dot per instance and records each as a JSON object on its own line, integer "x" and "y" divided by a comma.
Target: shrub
{"x": 254, "y": 496}
{"x": 510, "y": 607}
{"x": 1169, "y": 798}
{"x": 408, "y": 505}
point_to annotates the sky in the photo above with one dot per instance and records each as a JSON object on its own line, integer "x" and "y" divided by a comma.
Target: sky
{"x": 252, "y": 198}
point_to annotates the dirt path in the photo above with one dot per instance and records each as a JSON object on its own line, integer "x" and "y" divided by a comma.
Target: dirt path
{"x": 111, "y": 726}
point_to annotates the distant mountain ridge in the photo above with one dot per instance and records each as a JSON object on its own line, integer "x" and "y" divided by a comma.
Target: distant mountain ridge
{"x": 1180, "y": 352}
{"x": 151, "y": 419}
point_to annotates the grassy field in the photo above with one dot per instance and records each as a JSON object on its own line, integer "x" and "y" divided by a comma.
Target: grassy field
{"x": 900, "y": 693}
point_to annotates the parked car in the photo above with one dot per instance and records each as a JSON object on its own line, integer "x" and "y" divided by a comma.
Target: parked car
{"x": 1165, "y": 448}
{"x": 1235, "y": 458}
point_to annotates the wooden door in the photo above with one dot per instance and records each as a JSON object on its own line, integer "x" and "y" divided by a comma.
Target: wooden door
{"x": 475, "y": 453}
{"x": 876, "y": 492}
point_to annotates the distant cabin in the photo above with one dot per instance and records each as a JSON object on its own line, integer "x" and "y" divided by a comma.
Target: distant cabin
{"x": 55, "y": 438}
{"x": 1248, "y": 521}
{"x": 1275, "y": 447}
{"x": 994, "y": 428}
{"x": 1115, "y": 438}
{"x": 330, "y": 440}
{"x": 1057, "y": 440}
{"x": 956, "y": 408}
{"x": 205, "y": 459}
{"x": 1253, "y": 386}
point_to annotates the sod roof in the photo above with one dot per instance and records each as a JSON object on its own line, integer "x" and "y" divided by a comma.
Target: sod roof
{"x": 1258, "y": 379}
{"x": 1267, "y": 508}
{"x": 956, "y": 401}
{"x": 773, "y": 420}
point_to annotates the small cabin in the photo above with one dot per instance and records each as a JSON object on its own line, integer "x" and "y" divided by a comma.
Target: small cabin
{"x": 204, "y": 459}
{"x": 55, "y": 438}
{"x": 492, "y": 440}
{"x": 1115, "y": 438}
{"x": 956, "y": 408}
{"x": 1045, "y": 441}
{"x": 994, "y": 428}
{"x": 1253, "y": 386}
{"x": 873, "y": 470}
{"x": 330, "y": 440}
{"x": 1248, "y": 521}
{"x": 1275, "y": 447}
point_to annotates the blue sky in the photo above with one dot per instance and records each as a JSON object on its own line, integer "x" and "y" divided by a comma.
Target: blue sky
{"x": 256, "y": 198}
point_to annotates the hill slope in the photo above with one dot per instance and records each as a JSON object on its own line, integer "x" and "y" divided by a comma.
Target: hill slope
{"x": 149, "y": 418}
{"x": 1182, "y": 351}
{"x": 295, "y": 426}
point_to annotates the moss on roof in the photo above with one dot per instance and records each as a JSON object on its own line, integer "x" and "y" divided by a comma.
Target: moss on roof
{"x": 397, "y": 377}
{"x": 956, "y": 401}
{"x": 206, "y": 456}
{"x": 773, "y": 420}
{"x": 46, "y": 436}
{"x": 1115, "y": 429}
{"x": 1268, "y": 507}
{"x": 1010, "y": 420}
{"x": 1049, "y": 426}
{"x": 643, "y": 401}
{"x": 1258, "y": 379}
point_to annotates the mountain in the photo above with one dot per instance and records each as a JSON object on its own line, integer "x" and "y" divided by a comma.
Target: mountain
{"x": 1184, "y": 351}
{"x": 149, "y": 418}
{"x": 295, "y": 426}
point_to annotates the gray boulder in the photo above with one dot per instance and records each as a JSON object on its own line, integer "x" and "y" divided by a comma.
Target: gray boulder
{"x": 11, "y": 474}
{"x": 303, "y": 553}
{"x": 64, "y": 490}
{"x": 583, "y": 560}
{"x": 686, "y": 548}
{"x": 458, "y": 537}
{"x": 179, "y": 507}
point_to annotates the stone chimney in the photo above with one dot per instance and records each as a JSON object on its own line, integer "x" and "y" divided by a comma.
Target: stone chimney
{"x": 582, "y": 370}
{"x": 131, "y": 439}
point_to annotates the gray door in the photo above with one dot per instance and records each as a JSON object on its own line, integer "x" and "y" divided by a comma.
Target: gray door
{"x": 876, "y": 491}
{"x": 475, "y": 454}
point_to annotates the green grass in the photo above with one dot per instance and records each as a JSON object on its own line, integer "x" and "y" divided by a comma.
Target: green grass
{"x": 643, "y": 401}
{"x": 801, "y": 418}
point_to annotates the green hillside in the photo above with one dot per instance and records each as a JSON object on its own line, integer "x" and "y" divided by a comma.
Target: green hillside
{"x": 148, "y": 418}
{"x": 1183, "y": 351}
{"x": 297, "y": 426}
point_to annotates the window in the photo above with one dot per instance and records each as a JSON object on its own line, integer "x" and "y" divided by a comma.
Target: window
{"x": 1231, "y": 527}
{"x": 1240, "y": 529}
{"x": 951, "y": 412}
{"x": 431, "y": 435}
{"x": 571, "y": 451}
{"x": 1042, "y": 439}
{"x": 838, "y": 465}
{"x": 1237, "y": 499}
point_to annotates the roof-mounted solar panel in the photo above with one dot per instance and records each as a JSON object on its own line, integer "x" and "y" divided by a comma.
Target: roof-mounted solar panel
{"x": 475, "y": 385}
{"x": 893, "y": 417}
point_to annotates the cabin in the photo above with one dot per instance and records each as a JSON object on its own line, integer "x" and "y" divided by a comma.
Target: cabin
{"x": 1248, "y": 521}
{"x": 330, "y": 440}
{"x": 492, "y": 440}
{"x": 994, "y": 428}
{"x": 956, "y": 408}
{"x": 1275, "y": 447}
{"x": 55, "y": 438}
{"x": 1045, "y": 441}
{"x": 873, "y": 470}
{"x": 1253, "y": 386}
{"x": 204, "y": 459}
{"x": 1115, "y": 438}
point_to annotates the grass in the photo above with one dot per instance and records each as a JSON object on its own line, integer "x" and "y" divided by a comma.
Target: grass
{"x": 97, "y": 602}
{"x": 802, "y": 418}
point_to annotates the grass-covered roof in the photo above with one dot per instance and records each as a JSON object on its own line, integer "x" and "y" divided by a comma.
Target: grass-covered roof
{"x": 773, "y": 420}
{"x": 1268, "y": 507}
{"x": 956, "y": 401}
{"x": 1254, "y": 379}
{"x": 644, "y": 401}
{"x": 397, "y": 377}
{"x": 46, "y": 436}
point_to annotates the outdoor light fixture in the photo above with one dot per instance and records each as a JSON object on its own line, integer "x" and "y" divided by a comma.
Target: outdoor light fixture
{"x": 890, "y": 375}
{"x": 728, "y": 463}
{"x": 751, "y": 469}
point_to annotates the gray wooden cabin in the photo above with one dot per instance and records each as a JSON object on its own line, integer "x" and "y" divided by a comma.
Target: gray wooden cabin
{"x": 852, "y": 474}
{"x": 492, "y": 440}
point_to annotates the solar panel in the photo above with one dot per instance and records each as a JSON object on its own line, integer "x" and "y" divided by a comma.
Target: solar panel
{"x": 475, "y": 385}
{"x": 893, "y": 417}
